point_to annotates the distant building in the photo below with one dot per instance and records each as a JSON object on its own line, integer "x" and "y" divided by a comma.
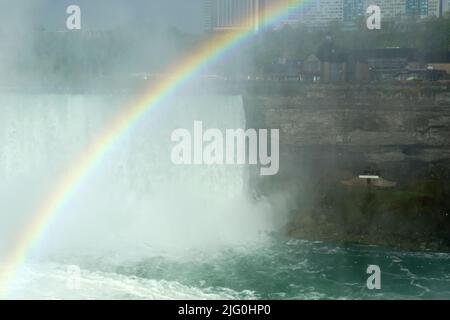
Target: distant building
{"x": 444, "y": 7}
{"x": 434, "y": 8}
{"x": 388, "y": 63}
{"x": 427, "y": 73}
{"x": 208, "y": 15}
{"x": 353, "y": 10}
{"x": 333, "y": 61}
{"x": 321, "y": 12}
{"x": 417, "y": 8}
{"x": 284, "y": 69}
{"x": 317, "y": 13}
{"x": 440, "y": 66}
{"x": 292, "y": 15}
{"x": 223, "y": 15}
{"x": 390, "y": 9}
{"x": 312, "y": 68}
{"x": 294, "y": 11}
{"x": 331, "y": 65}
{"x": 398, "y": 9}
{"x": 423, "y": 8}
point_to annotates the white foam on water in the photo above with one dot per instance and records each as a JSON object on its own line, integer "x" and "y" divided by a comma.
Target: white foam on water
{"x": 52, "y": 281}
{"x": 136, "y": 203}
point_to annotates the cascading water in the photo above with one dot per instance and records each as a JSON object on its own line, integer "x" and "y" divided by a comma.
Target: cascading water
{"x": 136, "y": 203}
{"x": 136, "y": 185}
{"x": 140, "y": 227}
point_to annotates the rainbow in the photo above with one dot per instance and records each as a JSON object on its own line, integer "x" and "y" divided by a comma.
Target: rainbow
{"x": 211, "y": 51}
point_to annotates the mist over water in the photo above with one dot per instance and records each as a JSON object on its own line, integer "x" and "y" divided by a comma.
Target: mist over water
{"x": 138, "y": 226}
{"x": 135, "y": 202}
{"x": 135, "y": 205}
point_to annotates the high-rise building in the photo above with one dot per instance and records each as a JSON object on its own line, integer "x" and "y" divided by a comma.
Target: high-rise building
{"x": 434, "y": 8}
{"x": 208, "y": 16}
{"x": 423, "y": 8}
{"x": 417, "y": 8}
{"x": 314, "y": 13}
{"x": 323, "y": 12}
{"x": 390, "y": 9}
{"x": 222, "y": 15}
{"x": 293, "y": 11}
{"x": 353, "y": 9}
{"x": 445, "y": 7}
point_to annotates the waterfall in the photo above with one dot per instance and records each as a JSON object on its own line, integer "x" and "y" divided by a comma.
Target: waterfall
{"x": 136, "y": 200}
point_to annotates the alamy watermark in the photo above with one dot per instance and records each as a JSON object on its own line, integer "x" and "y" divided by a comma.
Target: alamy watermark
{"x": 234, "y": 147}
{"x": 73, "y": 22}
{"x": 374, "y": 280}
{"x": 373, "y": 21}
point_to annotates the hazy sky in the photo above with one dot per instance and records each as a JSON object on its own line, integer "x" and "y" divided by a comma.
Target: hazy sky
{"x": 186, "y": 15}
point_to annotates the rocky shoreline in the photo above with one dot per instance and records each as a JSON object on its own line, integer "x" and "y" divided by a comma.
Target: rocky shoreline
{"x": 331, "y": 135}
{"x": 413, "y": 217}
{"x": 331, "y": 233}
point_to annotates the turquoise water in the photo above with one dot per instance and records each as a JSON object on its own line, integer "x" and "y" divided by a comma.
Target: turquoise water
{"x": 279, "y": 269}
{"x": 294, "y": 269}
{"x": 143, "y": 228}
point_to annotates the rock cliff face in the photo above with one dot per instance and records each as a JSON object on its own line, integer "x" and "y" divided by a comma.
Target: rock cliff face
{"x": 371, "y": 128}
{"x": 332, "y": 133}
